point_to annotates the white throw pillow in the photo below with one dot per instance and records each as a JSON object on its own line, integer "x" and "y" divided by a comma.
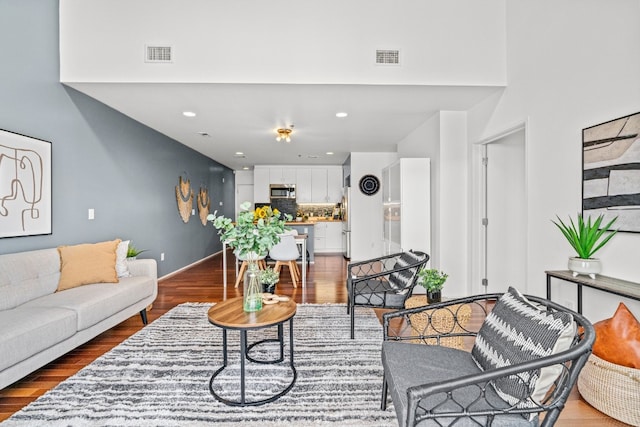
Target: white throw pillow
{"x": 122, "y": 269}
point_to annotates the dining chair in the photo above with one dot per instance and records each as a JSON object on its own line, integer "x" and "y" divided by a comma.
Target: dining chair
{"x": 285, "y": 253}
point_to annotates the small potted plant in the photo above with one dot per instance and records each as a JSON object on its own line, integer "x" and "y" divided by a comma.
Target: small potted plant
{"x": 132, "y": 252}
{"x": 269, "y": 277}
{"x": 586, "y": 238}
{"x": 433, "y": 281}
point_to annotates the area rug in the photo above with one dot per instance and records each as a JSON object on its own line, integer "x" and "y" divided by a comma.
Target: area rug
{"x": 160, "y": 376}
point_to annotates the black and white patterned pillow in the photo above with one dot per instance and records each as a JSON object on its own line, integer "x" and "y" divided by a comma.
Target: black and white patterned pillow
{"x": 517, "y": 331}
{"x": 402, "y": 279}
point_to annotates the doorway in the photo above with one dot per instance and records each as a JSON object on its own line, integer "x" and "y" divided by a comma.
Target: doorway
{"x": 504, "y": 211}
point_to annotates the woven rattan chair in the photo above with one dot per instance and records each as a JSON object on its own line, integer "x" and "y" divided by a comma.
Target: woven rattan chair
{"x": 435, "y": 385}
{"x": 384, "y": 282}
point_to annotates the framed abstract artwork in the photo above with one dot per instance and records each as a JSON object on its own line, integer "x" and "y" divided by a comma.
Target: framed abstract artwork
{"x": 25, "y": 185}
{"x": 611, "y": 171}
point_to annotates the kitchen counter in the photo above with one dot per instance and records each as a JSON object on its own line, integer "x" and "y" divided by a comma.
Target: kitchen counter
{"x": 313, "y": 220}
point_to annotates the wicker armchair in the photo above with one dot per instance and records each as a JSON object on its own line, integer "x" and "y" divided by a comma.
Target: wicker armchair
{"x": 384, "y": 282}
{"x": 432, "y": 384}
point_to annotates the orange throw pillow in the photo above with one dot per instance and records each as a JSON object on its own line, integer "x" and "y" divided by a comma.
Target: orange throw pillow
{"x": 618, "y": 339}
{"x": 87, "y": 263}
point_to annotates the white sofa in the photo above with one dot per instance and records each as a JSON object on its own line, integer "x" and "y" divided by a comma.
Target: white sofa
{"x": 38, "y": 324}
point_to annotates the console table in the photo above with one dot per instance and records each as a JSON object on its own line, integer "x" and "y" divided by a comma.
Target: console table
{"x": 602, "y": 283}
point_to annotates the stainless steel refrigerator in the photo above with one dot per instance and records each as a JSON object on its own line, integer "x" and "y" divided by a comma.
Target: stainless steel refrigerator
{"x": 346, "y": 222}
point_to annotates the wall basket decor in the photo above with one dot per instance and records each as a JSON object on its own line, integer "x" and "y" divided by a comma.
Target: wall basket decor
{"x": 184, "y": 197}
{"x": 25, "y": 185}
{"x": 611, "y": 171}
{"x": 204, "y": 205}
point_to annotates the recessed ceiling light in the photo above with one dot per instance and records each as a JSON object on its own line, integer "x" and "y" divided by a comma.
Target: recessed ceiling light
{"x": 239, "y": 153}
{"x": 341, "y": 114}
{"x": 329, "y": 153}
{"x": 246, "y": 168}
{"x": 188, "y": 114}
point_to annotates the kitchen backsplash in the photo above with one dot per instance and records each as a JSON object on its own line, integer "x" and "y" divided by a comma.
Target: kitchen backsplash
{"x": 291, "y": 207}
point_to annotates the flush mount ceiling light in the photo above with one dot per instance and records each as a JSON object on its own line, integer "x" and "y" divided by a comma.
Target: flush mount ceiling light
{"x": 188, "y": 114}
{"x": 341, "y": 114}
{"x": 284, "y": 134}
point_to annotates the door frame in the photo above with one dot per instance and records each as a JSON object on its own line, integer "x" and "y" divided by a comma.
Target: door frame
{"x": 479, "y": 264}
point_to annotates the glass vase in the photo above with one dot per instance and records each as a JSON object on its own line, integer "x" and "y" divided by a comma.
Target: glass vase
{"x": 252, "y": 288}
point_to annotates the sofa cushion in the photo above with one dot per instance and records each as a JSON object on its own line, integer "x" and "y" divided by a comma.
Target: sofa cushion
{"x": 517, "y": 331}
{"x": 28, "y": 275}
{"x": 87, "y": 263}
{"x": 94, "y": 303}
{"x": 27, "y": 331}
{"x": 407, "y": 365}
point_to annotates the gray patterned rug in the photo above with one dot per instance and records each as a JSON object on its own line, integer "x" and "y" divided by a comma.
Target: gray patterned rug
{"x": 160, "y": 377}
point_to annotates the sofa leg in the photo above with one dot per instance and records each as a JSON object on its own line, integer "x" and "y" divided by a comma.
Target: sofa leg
{"x": 385, "y": 388}
{"x": 143, "y": 316}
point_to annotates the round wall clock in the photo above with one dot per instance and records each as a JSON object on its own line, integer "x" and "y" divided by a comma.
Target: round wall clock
{"x": 369, "y": 185}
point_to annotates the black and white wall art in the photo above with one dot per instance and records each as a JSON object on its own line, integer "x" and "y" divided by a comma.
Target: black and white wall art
{"x": 25, "y": 185}
{"x": 611, "y": 171}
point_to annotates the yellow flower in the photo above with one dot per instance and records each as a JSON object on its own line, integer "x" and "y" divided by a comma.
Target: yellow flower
{"x": 261, "y": 213}
{"x": 276, "y": 211}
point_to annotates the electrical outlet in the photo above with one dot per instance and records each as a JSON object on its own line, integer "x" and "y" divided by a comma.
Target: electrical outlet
{"x": 193, "y": 211}
{"x": 92, "y": 214}
{"x": 162, "y": 256}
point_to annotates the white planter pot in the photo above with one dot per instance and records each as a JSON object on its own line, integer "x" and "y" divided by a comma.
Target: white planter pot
{"x": 589, "y": 267}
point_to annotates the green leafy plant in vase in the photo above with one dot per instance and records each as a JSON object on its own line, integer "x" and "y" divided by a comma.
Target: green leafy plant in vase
{"x": 586, "y": 238}
{"x": 269, "y": 277}
{"x": 433, "y": 281}
{"x": 251, "y": 235}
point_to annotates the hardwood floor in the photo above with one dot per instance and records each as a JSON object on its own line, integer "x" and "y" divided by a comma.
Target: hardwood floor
{"x": 203, "y": 283}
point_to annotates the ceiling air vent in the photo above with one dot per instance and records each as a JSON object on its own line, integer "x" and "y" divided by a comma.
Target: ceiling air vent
{"x": 387, "y": 57}
{"x": 158, "y": 54}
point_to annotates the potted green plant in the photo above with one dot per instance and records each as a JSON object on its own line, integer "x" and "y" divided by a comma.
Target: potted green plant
{"x": 433, "y": 281}
{"x": 132, "y": 252}
{"x": 586, "y": 238}
{"x": 269, "y": 277}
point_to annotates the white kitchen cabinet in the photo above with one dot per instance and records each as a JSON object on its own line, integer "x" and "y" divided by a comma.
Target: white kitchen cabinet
{"x": 326, "y": 184}
{"x": 303, "y": 185}
{"x": 407, "y": 206}
{"x": 319, "y": 185}
{"x": 333, "y": 237}
{"x": 328, "y": 237}
{"x": 334, "y": 184}
{"x": 282, "y": 175}
{"x": 261, "y": 177}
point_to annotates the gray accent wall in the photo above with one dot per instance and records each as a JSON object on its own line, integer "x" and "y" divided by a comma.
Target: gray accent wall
{"x": 102, "y": 159}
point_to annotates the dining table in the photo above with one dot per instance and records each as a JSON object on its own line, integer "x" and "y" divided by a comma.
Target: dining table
{"x": 300, "y": 239}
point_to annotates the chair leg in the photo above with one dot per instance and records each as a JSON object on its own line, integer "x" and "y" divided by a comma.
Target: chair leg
{"x": 385, "y": 388}
{"x": 353, "y": 310}
{"x": 292, "y": 271}
{"x": 243, "y": 267}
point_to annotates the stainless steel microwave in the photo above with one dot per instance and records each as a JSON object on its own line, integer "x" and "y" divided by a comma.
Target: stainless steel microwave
{"x": 282, "y": 191}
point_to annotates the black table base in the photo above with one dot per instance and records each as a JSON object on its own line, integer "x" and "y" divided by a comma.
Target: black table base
{"x": 244, "y": 352}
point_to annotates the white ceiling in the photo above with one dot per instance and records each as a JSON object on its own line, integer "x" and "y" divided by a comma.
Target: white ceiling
{"x": 243, "y": 117}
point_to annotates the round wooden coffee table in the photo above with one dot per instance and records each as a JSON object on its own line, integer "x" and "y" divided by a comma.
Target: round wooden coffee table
{"x": 229, "y": 315}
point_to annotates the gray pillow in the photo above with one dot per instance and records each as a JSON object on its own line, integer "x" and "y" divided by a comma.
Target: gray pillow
{"x": 516, "y": 331}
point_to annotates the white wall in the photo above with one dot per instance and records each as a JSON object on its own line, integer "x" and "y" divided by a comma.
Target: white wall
{"x": 284, "y": 41}
{"x": 443, "y": 138}
{"x": 570, "y": 64}
{"x": 366, "y": 211}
